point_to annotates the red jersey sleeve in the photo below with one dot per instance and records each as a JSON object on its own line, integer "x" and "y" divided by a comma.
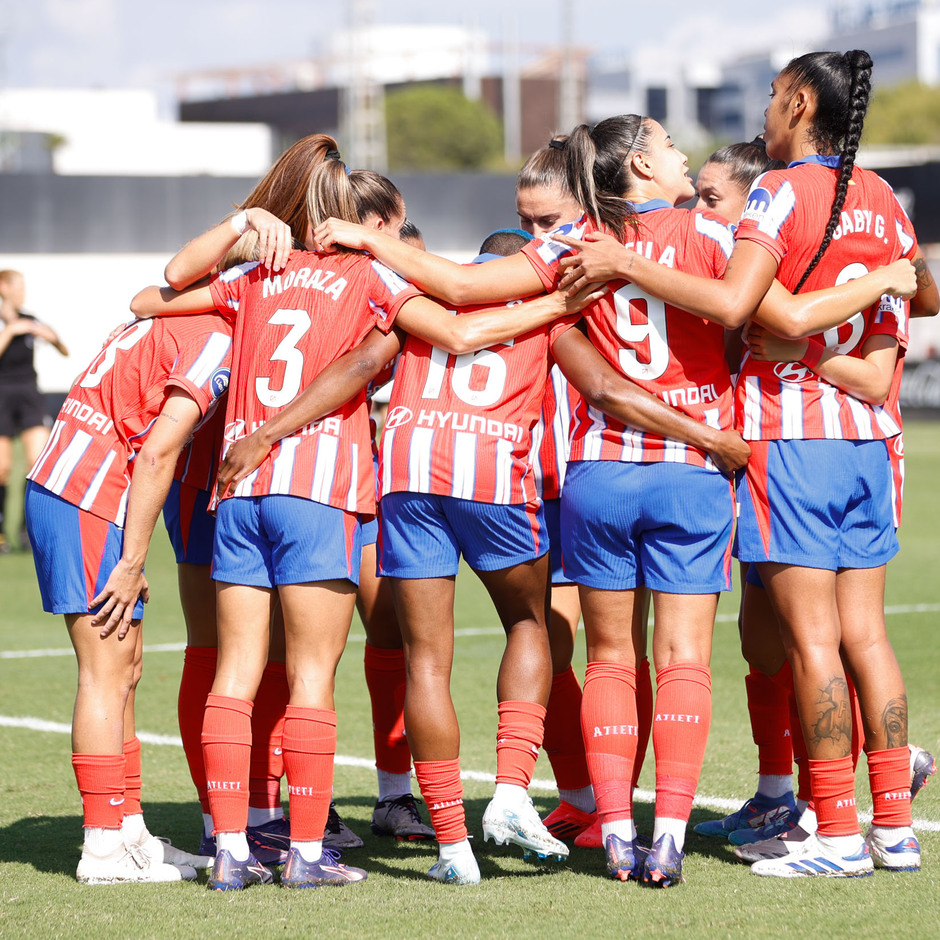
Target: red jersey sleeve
{"x": 389, "y": 292}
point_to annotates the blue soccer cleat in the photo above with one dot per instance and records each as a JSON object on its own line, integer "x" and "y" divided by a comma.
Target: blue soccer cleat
{"x": 778, "y": 827}
{"x": 326, "y": 871}
{"x": 270, "y": 842}
{"x": 230, "y": 875}
{"x": 624, "y": 859}
{"x": 757, "y": 813}
{"x": 663, "y": 865}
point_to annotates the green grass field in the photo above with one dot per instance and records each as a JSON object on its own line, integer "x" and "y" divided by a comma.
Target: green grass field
{"x": 40, "y": 813}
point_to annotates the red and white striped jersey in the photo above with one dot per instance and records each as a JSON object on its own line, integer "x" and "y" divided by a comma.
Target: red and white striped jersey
{"x": 787, "y": 212}
{"x": 198, "y": 465}
{"x": 664, "y": 349}
{"x": 104, "y": 421}
{"x": 289, "y": 327}
{"x": 551, "y": 438}
{"x": 461, "y": 426}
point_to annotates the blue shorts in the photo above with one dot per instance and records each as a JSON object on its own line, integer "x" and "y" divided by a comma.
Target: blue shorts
{"x": 423, "y": 535}
{"x": 74, "y": 552}
{"x": 817, "y": 504}
{"x": 370, "y": 531}
{"x": 553, "y": 527}
{"x": 264, "y": 541}
{"x": 665, "y": 526}
{"x": 189, "y": 524}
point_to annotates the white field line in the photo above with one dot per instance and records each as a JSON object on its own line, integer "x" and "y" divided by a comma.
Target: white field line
{"x": 359, "y": 638}
{"x": 717, "y": 803}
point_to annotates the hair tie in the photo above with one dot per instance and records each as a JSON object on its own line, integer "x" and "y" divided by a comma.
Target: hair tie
{"x": 333, "y": 155}
{"x": 556, "y": 144}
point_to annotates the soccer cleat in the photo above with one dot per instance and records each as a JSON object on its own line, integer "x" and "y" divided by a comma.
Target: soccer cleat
{"x": 160, "y": 851}
{"x": 327, "y": 870}
{"x": 269, "y": 842}
{"x": 592, "y": 837}
{"x": 903, "y": 855}
{"x": 663, "y": 866}
{"x": 787, "y": 843}
{"x": 125, "y": 865}
{"x": 757, "y": 812}
{"x": 207, "y": 845}
{"x": 522, "y": 826}
{"x": 399, "y": 817}
{"x": 229, "y": 875}
{"x": 567, "y": 821}
{"x": 462, "y": 870}
{"x": 777, "y": 827}
{"x": 815, "y": 859}
{"x": 923, "y": 767}
{"x": 338, "y": 835}
{"x": 623, "y": 858}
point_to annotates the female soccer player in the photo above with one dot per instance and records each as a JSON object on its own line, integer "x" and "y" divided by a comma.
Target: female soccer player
{"x": 816, "y": 508}
{"x": 93, "y": 499}
{"x": 327, "y": 463}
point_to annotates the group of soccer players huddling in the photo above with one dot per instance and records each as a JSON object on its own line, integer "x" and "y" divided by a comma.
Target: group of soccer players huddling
{"x": 629, "y": 395}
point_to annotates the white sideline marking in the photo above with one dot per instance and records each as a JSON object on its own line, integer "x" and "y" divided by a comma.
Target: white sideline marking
{"x": 718, "y": 803}
{"x": 471, "y": 631}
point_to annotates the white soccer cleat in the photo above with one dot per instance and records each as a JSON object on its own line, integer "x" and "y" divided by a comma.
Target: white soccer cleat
{"x": 521, "y": 824}
{"x": 160, "y": 851}
{"x": 893, "y": 853}
{"x": 128, "y": 866}
{"x": 462, "y": 870}
{"x": 815, "y": 859}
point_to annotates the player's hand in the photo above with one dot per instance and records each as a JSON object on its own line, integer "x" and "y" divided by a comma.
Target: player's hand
{"x": 729, "y": 451}
{"x": 240, "y": 459}
{"x": 118, "y": 598}
{"x": 599, "y": 258}
{"x": 274, "y": 237}
{"x": 337, "y": 232}
{"x": 576, "y": 302}
{"x": 901, "y": 278}
{"x": 768, "y": 347}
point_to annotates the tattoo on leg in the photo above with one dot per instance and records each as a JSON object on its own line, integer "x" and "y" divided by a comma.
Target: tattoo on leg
{"x": 894, "y": 719}
{"x": 833, "y": 721}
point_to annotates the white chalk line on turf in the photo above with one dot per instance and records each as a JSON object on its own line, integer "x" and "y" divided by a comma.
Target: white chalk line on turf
{"x": 717, "y": 803}
{"x": 468, "y": 632}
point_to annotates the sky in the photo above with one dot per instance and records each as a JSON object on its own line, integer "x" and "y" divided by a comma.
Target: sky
{"x": 147, "y": 43}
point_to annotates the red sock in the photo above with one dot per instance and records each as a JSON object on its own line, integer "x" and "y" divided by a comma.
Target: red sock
{"x": 309, "y": 744}
{"x": 644, "y": 715}
{"x": 442, "y": 790}
{"x": 385, "y": 679}
{"x": 563, "y": 742}
{"x": 195, "y": 685}
{"x": 132, "y": 777}
{"x": 889, "y": 775}
{"x": 804, "y": 786}
{"x": 518, "y": 739}
{"x": 226, "y": 750}
{"x": 100, "y": 779}
{"x": 267, "y": 727}
{"x": 833, "y": 784}
{"x": 680, "y": 730}
{"x": 770, "y": 723}
{"x": 609, "y": 726}
{"x": 858, "y": 729}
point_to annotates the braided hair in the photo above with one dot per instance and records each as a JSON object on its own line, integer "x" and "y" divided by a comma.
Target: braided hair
{"x": 599, "y": 169}
{"x": 842, "y": 84}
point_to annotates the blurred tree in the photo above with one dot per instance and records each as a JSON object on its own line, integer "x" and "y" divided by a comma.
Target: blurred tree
{"x": 903, "y": 114}
{"x": 433, "y": 127}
